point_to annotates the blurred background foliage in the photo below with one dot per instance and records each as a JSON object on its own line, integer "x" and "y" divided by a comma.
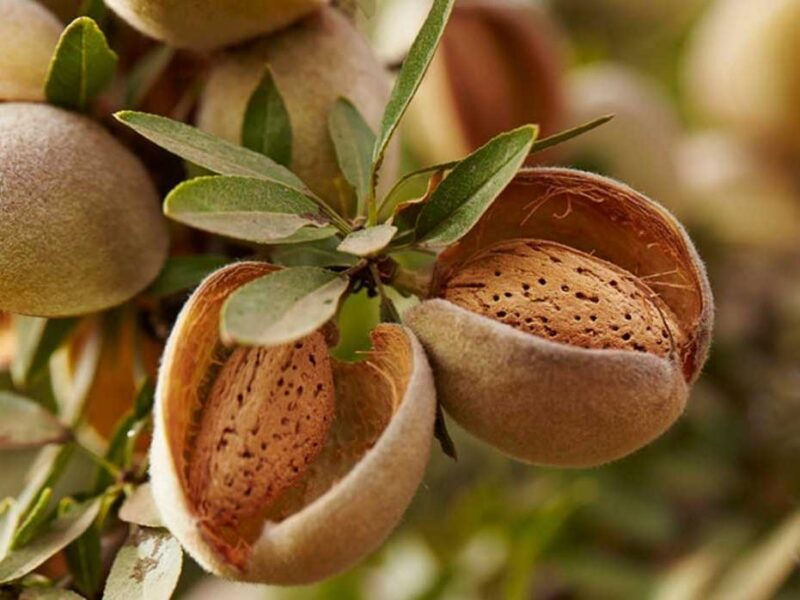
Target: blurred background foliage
{"x": 711, "y": 509}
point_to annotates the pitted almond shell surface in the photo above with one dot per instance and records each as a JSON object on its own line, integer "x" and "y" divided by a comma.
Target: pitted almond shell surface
{"x": 555, "y": 402}
{"x": 210, "y": 24}
{"x": 612, "y": 222}
{"x": 281, "y": 465}
{"x": 563, "y": 295}
{"x": 29, "y": 34}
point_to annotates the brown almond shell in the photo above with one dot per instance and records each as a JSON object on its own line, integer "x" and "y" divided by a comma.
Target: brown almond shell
{"x": 551, "y": 403}
{"x": 353, "y": 492}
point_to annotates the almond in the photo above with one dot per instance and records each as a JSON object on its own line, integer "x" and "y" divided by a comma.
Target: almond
{"x": 28, "y": 36}
{"x": 281, "y": 465}
{"x": 210, "y": 24}
{"x": 563, "y": 295}
{"x": 566, "y": 327}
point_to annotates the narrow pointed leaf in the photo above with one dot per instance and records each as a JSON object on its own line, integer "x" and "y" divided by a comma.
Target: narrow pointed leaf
{"x": 321, "y": 253}
{"x": 83, "y": 64}
{"x": 25, "y": 424}
{"x": 85, "y": 561}
{"x": 369, "y": 241}
{"x": 354, "y": 141}
{"x": 57, "y": 535}
{"x": 208, "y": 151}
{"x": 410, "y": 77}
{"x": 267, "y": 128}
{"x": 9, "y": 519}
{"x": 36, "y": 517}
{"x": 282, "y": 307}
{"x": 565, "y": 136}
{"x": 472, "y": 186}
{"x": 37, "y": 340}
{"x": 184, "y": 272}
{"x": 147, "y": 566}
{"x": 248, "y": 209}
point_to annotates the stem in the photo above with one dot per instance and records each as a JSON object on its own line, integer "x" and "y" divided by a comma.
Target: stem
{"x": 372, "y": 209}
{"x": 412, "y": 282}
{"x": 112, "y": 470}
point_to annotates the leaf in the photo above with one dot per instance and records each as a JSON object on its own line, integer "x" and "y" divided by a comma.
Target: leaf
{"x": 140, "y": 508}
{"x": 565, "y": 136}
{"x": 83, "y": 64}
{"x": 33, "y": 522}
{"x": 37, "y": 340}
{"x": 353, "y": 140}
{"x": 25, "y": 424}
{"x": 247, "y": 209}
{"x": 282, "y": 307}
{"x": 320, "y": 253}
{"x": 369, "y": 241}
{"x": 148, "y": 567}
{"x": 762, "y": 571}
{"x": 85, "y": 561}
{"x": 45, "y": 471}
{"x": 9, "y": 518}
{"x": 469, "y": 190}
{"x": 410, "y": 77}
{"x": 208, "y": 151}
{"x": 267, "y": 128}
{"x": 58, "y": 535}
{"x": 443, "y": 435}
{"x": 182, "y": 273}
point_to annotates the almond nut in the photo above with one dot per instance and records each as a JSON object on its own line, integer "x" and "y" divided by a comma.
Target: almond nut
{"x": 322, "y": 58}
{"x": 281, "y": 465}
{"x": 210, "y": 24}
{"x": 566, "y": 326}
{"x": 28, "y": 36}
{"x": 81, "y": 230}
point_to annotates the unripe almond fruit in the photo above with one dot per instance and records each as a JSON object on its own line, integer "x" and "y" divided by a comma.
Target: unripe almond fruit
{"x": 499, "y": 66}
{"x": 314, "y": 63}
{"x": 29, "y": 34}
{"x": 281, "y": 465}
{"x": 81, "y": 228}
{"x": 567, "y": 325}
{"x": 210, "y": 24}
{"x": 741, "y": 69}
{"x": 638, "y": 146}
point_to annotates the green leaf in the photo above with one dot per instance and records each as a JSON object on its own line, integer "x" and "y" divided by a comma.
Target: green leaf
{"x": 140, "y": 508}
{"x": 25, "y": 424}
{"x": 410, "y": 77}
{"x": 37, "y": 340}
{"x": 369, "y": 241}
{"x": 565, "y": 136}
{"x": 83, "y": 64}
{"x": 320, "y": 253}
{"x": 248, "y": 209}
{"x": 208, "y": 151}
{"x": 45, "y": 471}
{"x": 85, "y": 561}
{"x": 9, "y": 519}
{"x": 267, "y": 128}
{"x": 33, "y": 522}
{"x": 761, "y": 572}
{"x": 148, "y": 566}
{"x": 469, "y": 190}
{"x": 182, "y": 273}
{"x": 58, "y": 535}
{"x": 354, "y": 141}
{"x": 282, "y": 307}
